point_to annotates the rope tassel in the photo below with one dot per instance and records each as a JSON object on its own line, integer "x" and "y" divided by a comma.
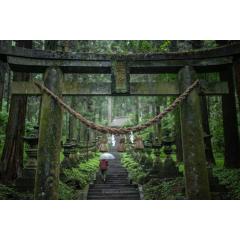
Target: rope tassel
{"x": 119, "y": 131}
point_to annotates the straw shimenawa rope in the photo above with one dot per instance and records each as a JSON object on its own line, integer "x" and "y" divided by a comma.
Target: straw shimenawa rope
{"x": 118, "y": 131}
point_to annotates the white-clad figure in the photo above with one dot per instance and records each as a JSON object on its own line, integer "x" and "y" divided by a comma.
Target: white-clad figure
{"x": 131, "y": 137}
{"x": 113, "y": 141}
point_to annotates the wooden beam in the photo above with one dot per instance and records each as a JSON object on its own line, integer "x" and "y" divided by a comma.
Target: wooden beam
{"x": 206, "y": 65}
{"x": 67, "y": 66}
{"x": 167, "y": 88}
{"x": 154, "y": 88}
{"x": 215, "y": 88}
{"x": 136, "y": 88}
{"x": 29, "y": 88}
{"x": 22, "y": 64}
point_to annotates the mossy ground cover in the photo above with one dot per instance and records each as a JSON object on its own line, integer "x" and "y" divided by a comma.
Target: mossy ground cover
{"x": 158, "y": 189}
{"x": 154, "y": 189}
{"x": 230, "y": 179}
{"x": 75, "y": 179}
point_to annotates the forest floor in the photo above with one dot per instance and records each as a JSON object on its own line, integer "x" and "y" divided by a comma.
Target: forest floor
{"x": 227, "y": 187}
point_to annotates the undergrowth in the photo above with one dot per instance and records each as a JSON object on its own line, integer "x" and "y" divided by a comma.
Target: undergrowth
{"x": 153, "y": 189}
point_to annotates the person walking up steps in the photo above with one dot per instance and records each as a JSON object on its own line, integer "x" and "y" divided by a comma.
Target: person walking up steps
{"x": 103, "y": 168}
{"x": 103, "y": 165}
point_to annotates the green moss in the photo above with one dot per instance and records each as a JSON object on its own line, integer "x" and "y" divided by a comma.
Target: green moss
{"x": 157, "y": 189}
{"x": 10, "y": 193}
{"x": 230, "y": 178}
{"x": 80, "y": 176}
{"x": 134, "y": 168}
{"x": 154, "y": 188}
{"x": 66, "y": 192}
{"x": 219, "y": 159}
{"x": 6, "y": 192}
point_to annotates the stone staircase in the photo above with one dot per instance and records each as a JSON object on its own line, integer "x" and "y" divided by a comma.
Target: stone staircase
{"x": 117, "y": 186}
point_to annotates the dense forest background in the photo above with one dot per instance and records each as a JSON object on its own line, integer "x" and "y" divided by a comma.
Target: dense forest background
{"x": 104, "y": 110}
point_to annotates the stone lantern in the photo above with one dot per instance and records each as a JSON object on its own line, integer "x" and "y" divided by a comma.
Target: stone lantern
{"x": 26, "y": 182}
{"x": 103, "y": 147}
{"x": 170, "y": 168}
{"x": 148, "y": 149}
{"x": 138, "y": 147}
{"x": 70, "y": 154}
{"x": 121, "y": 145}
{"x": 157, "y": 166}
{"x": 67, "y": 146}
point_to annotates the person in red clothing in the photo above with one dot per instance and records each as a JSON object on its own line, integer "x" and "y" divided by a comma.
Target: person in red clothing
{"x": 103, "y": 168}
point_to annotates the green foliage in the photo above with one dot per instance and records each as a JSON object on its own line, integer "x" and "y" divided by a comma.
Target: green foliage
{"x": 154, "y": 188}
{"x": 75, "y": 178}
{"x": 216, "y": 123}
{"x": 79, "y": 177}
{"x": 65, "y": 191}
{"x": 135, "y": 170}
{"x": 10, "y": 193}
{"x": 230, "y": 178}
{"x": 157, "y": 189}
{"x": 219, "y": 159}
{"x": 6, "y": 192}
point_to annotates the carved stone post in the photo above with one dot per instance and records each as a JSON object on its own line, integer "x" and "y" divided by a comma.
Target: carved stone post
{"x": 49, "y": 147}
{"x": 196, "y": 176}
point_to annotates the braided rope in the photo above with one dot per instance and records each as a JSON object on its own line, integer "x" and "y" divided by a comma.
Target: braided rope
{"x": 118, "y": 131}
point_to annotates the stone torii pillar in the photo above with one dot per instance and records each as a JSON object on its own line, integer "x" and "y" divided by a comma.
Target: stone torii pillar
{"x": 196, "y": 175}
{"x": 49, "y": 146}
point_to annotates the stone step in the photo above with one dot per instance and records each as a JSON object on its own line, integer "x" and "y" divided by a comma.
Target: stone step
{"x": 113, "y": 193}
{"x": 117, "y": 186}
{"x": 116, "y": 177}
{"x": 117, "y": 173}
{"x": 114, "y": 190}
{"x": 107, "y": 185}
{"x": 117, "y": 182}
{"x": 111, "y": 197}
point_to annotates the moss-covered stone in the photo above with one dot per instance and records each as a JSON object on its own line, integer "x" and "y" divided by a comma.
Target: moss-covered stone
{"x": 47, "y": 175}
{"x": 196, "y": 176}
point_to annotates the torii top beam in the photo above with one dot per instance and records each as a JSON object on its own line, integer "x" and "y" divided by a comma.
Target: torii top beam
{"x": 32, "y": 60}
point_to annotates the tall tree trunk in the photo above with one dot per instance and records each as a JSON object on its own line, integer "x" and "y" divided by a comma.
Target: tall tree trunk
{"x": 72, "y": 120}
{"x": 137, "y": 110}
{"x": 9, "y": 79}
{"x": 158, "y": 126}
{"x": 109, "y": 110}
{"x": 2, "y": 80}
{"x": 3, "y": 71}
{"x": 237, "y": 79}
{"x": 12, "y": 156}
{"x": 179, "y": 149}
{"x": 206, "y": 129}
{"x": 231, "y": 137}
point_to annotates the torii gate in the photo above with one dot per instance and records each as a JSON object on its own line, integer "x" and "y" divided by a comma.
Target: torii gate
{"x": 186, "y": 65}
